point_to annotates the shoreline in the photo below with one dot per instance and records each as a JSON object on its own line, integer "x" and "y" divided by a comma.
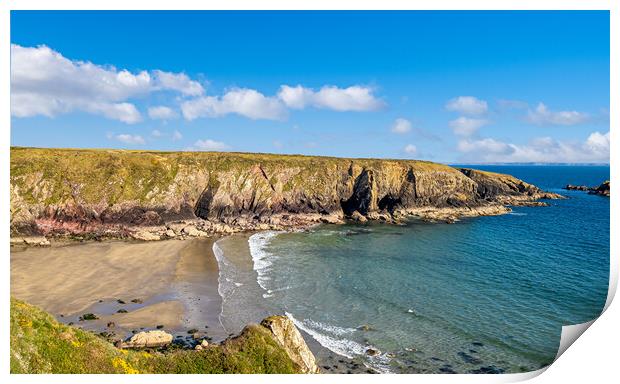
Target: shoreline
{"x": 128, "y": 286}
{"x": 62, "y": 234}
{"x": 179, "y": 291}
{"x": 246, "y": 295}
{"x": 189, "y": 271}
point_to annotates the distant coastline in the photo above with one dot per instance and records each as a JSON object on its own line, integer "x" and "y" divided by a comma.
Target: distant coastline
{"x": 532, "y": 164}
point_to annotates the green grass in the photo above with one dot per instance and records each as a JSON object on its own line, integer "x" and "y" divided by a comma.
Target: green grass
{"x": 50, "y": 176}
{"x": 40, "y": 344}
{"x": 494, "y": 175}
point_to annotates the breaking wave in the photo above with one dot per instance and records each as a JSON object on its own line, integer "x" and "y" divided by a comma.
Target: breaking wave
{"x": 330, "y": 337}
{"x": 262, "y": 258}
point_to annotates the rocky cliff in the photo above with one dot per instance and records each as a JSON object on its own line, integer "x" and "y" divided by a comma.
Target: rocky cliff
{"x": 152, "y": 195}
{"x": 603, "y": 189}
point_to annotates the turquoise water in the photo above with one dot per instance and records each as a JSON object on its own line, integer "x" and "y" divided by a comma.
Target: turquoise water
{"x": 487, "y": 294}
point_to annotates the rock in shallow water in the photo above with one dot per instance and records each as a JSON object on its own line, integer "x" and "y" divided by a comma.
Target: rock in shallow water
{"x": 469, "y": 358}
{"x": 491, "y": 369}
{"x": 365, "y": 328}
{"x": 356, "y": 216}
{"x": 88, "y": 316}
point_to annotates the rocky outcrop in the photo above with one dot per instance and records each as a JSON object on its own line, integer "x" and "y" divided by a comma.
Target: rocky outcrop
{"x": 602, "y": 190}
{"x": 571, "y": 187}
{"x": 150, "y": 339}
{"x": 40, "y": 241}
{"x": 159, "y": 195}
{"x": 289, "y": 338}
{"x": 506, "y": 189}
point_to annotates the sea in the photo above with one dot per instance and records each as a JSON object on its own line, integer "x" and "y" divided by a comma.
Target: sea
{"x": 482, "y": 295}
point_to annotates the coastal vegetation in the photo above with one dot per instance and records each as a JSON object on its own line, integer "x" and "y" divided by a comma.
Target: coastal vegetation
{"x": 40, "y": 344}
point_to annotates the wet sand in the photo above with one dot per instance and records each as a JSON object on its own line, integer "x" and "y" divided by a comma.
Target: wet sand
{"x": 196, "y": 285}
{"x": 172, "y": 283}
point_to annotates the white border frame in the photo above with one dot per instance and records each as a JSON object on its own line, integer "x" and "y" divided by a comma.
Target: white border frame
{"x": 592, "y": 359}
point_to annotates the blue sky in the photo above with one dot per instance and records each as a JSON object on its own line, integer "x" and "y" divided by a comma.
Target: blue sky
{"x": 442, "y": 86}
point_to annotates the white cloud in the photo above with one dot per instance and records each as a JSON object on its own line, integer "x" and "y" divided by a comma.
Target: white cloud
{"x": 465, "y": 126}
{"x": 209, "y": 145}
{"x": 177, "y": 82}
{"x": 541, "y": 115}
{"x": 176, "y": 136}
{"x": 468, "y": 105}
{"x": 162, "y": 113}
{"x": 43, "y": 82}
{"x": 156, "y": 133}
{"x": 598, "y": 143}
{"x": 354, "y": 98}
{"x": 125, "y": 112}
{"x": 484, "y": 146}
{"x": 130, "y": 139}
{"x": 410, "y": 149}
{"x": 401, "y": 126}
{"x": 242, "y": 101}
{"x": 296, "y": 97}
{"x": 594, "y": 149}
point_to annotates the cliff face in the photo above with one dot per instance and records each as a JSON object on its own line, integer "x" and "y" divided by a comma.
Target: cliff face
{"x": 506, "y": 189}
{"x": 56, "y": 191}
{"x": 289, "y": 338}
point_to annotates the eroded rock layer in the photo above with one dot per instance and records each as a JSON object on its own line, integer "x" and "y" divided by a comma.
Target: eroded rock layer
{"x": 152, "y": 195}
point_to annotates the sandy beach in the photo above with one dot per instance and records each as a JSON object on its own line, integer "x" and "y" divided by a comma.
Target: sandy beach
{"x": 134, "y": 285}
{"x": 170, "y": 284}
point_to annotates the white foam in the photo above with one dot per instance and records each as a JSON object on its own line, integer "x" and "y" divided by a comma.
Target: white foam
{"x": 334, "y": 330}
{"x": 219, "y": 256}
{"x": 343, "y": 347}
{"x": 261, "y": 258}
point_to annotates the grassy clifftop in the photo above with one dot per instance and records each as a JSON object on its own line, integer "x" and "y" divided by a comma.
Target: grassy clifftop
{"x": 123, "y": 175}
{"x": 40, "y": 344}
{"x": 82, "y": 191}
